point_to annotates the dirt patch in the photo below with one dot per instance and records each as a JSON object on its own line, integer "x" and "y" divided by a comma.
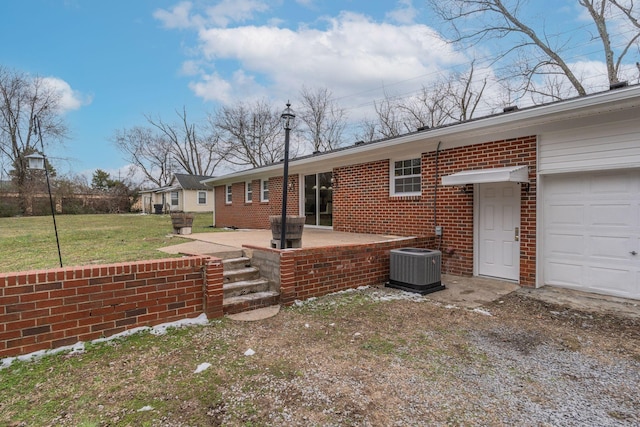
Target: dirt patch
{"x": 365, "y": 358}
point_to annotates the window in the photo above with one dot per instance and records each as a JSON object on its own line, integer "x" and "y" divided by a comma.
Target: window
{"x": 264, "y": 192}
{"x": 174, "y": 198}
{"x": 202, "y": 197}
{"x": 249, "y": 192}
{"x": 228, "y": 196}
{"x": 406, "y": 177}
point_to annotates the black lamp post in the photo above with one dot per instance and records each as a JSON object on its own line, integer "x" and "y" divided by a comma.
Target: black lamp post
{"x": 287, "y": 122}
{"x": 39, "y": 162}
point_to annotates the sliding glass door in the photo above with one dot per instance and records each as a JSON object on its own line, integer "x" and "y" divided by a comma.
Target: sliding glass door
{"x": 318, "y": 199}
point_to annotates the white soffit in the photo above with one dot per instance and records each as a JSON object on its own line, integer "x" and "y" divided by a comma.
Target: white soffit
{"x": 481, "y": 176}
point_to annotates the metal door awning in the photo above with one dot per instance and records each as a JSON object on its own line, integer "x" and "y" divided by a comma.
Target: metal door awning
{"x": 482, "y": 176}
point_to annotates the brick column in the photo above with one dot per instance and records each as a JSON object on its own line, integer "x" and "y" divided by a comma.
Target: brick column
{"x": 213, "y": 293}
{"x": 288, "y": 293}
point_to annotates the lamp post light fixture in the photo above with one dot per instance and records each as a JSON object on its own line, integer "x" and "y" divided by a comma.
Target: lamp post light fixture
{"x": 38, "y": 162}
{"x": 35, "y": 161}
{"x": 288, "y": 119}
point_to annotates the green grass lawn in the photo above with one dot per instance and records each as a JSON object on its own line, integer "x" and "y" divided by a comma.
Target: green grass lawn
{"x": 29, "y": 243}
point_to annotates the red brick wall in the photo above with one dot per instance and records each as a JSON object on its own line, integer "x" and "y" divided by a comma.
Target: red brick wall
{"x": 255, "y": 214}
{"x": 455, "y": 210}
{"x": 315, "y": 272}
{"x": 362, "y": 202}
{"x": 42, "y": 310}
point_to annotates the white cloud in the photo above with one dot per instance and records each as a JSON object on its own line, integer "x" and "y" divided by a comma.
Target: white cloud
{"x": 405, "y": 13}
{"x": 212, "y": 87}
{"x": 227, "y": 11}
{"x": 222, "y": 14}
{"x": 69, "y": 99}
{"x": 593, "y": 74}
{"x": 178, "y": 17}
{"x": 240, "y": 86}
{"x": 190, "y": 68}
{"x": 351, "y": 54}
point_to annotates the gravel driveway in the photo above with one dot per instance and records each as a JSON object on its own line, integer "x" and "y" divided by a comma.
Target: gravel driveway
{"x": 411, "y": 362}
{"x": 371, "y": 357}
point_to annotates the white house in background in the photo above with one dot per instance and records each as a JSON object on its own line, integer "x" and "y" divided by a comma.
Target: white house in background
{"x": 184, "y": 193}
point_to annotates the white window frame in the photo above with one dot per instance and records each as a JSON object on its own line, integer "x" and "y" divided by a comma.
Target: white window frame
{"x": 248, "y": 192}
{"x": 264, "y": 183}
{"x": 393, "y": 177}
{"x": 176, "y": 200}
{"x": 228, "y": 194}
{"x": 202, "y": 192}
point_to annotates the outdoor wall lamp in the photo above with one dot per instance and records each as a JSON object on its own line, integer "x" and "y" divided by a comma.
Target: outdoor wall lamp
{"x": 334, "y": 182}
{"x": 38, "y": 162}
{"x": 466, "y": 189}
{"x": 288, "y": 119}
{"x": 292, "y": 183}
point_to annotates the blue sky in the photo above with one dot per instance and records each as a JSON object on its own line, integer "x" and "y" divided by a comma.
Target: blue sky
{"x": 118, "y": 60}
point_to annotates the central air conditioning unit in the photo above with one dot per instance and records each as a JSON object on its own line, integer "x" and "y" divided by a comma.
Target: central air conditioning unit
{"x": 415, "y": 270}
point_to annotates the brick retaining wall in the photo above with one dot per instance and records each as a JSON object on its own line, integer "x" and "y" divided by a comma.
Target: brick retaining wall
{"x": 315, "y": 272}
{"x": 47, "y": 309}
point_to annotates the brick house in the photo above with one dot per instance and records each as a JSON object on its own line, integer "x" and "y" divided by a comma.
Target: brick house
{"x": 546, "y": 195}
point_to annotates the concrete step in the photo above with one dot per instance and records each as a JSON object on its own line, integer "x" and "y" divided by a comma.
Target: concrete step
{"x": 244, "y": 287}
{"x": 240, "y": 274}
{"x": 236, "y": 263}
{"x": 242, "y": 303}
{"x": 229, "y": 254}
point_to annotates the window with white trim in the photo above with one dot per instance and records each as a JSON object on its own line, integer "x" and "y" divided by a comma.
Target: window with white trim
{"x": 406, "y": 177}
{"x": 174, "y": 198}
{"x": 202, "y": 197}
{"x": 228, "y": 197}
{"x": 248, "y": 192}
{"x": 264, "y": 190}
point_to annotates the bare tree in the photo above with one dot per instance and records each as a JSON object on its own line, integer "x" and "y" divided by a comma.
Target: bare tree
{"x": 22, "y": 99}
{"x": 465, "y": 93}
{"x": 250, "y": 134}
{"x": 367, "y": 130}
{"x": 163, "y": 148}
{"x": 453, "y": 98}
{"x": 602, "y": 11}
{"x": 390, "y": 122}
{"x": 150, "y": 152}
{"x": 431, "y": 107}
{"x": 324, "y": 122}
{"x": 194, "y": 152}
{"x": 539, "y": 53}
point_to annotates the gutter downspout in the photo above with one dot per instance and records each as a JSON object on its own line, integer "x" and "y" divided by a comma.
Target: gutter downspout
{"x": 435, "y": 195}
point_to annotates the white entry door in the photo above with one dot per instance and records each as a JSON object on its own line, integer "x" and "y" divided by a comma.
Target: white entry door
{"x": 499, "y": 230}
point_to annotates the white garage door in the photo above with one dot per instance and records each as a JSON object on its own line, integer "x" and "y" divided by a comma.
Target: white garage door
{"x": 592, "y": 232}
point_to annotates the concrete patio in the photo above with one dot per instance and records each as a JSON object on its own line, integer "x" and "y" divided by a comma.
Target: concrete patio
{"x": 222, "y": 241}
